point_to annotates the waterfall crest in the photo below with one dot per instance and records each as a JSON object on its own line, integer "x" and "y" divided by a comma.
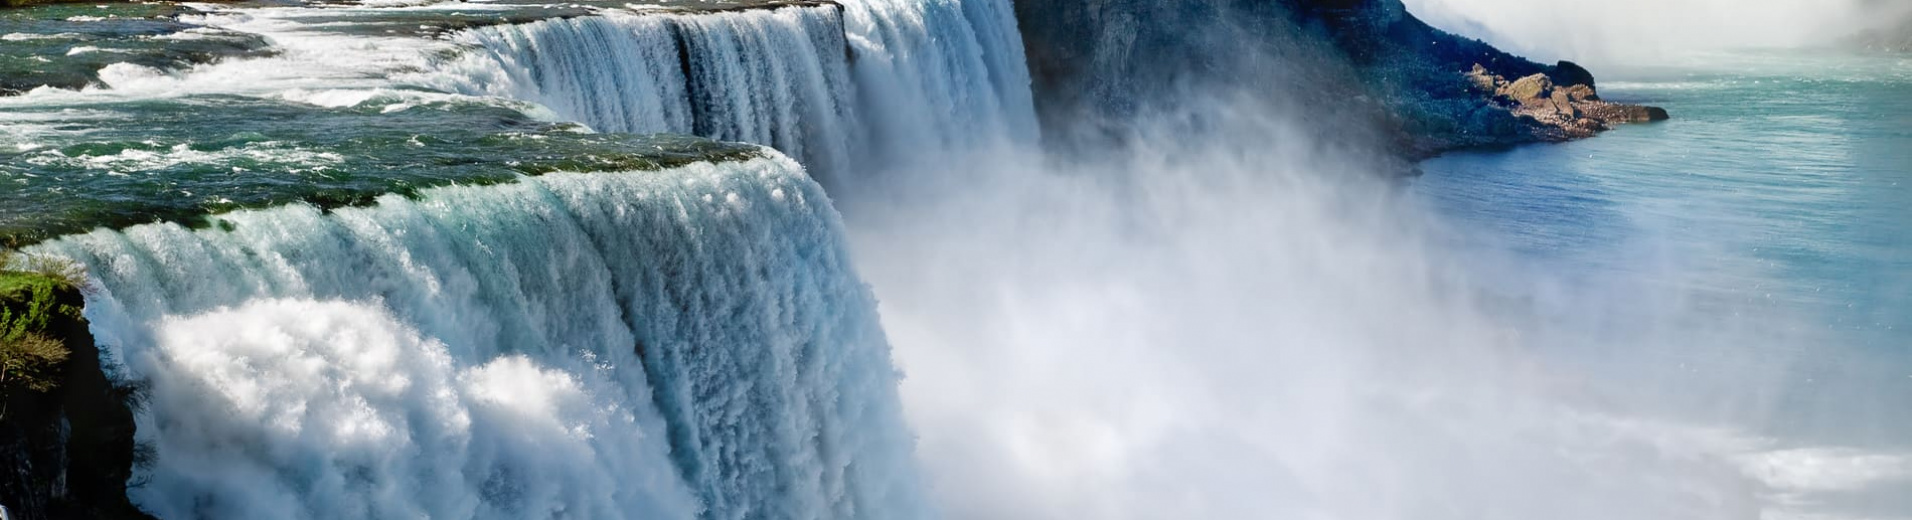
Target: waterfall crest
{"x": 844, "y": 88}
{"x": 773, "y": 77}
{"x": 676, "y": 344}
{"x": 682, "y": 344}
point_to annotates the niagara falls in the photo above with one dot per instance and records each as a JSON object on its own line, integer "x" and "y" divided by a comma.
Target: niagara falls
{"x": 955, "y": 259}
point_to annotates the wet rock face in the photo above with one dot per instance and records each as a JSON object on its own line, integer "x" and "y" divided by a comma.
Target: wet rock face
{"x": 1554, "y": 112}
{"x": 66, "y": 453}
{"x": 1102, "y": 69}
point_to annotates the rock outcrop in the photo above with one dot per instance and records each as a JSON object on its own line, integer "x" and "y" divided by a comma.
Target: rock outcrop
{"x": 1346, "y": 63}
{"x": 1558, "y": 112}
{"x": 65, "y": 453}
{"x": 1437, "y": 84}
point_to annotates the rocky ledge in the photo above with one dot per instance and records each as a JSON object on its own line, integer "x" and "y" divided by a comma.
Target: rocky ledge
{"x": 66, "y": 429}
{"x": 1557, "y": 112}
{"x": 1451, "y": 92}
{"x": 1362, "y": 72}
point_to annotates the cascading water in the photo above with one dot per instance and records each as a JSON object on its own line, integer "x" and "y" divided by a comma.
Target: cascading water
{"x": 1230, "y": 317}
{"x": 675, "y": 344}
{"x": 845, "y": 88}
{"x": 939, "y": 79}
{"x": 778, "y": 78}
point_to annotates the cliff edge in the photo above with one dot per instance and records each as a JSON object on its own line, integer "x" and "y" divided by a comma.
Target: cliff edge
{"x": 66, "y": 430}
{"x": 1356, "y": 69}
{"x": 1452, "y": 92}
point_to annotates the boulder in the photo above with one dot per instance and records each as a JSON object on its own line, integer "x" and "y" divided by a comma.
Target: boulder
{"x": 1561, "y": 105}
{"x": 66, "y": 451}
{"x": 1581, "y": 92}
{"x": 1484, "y": 80}
{"x": 1570, "y": 73}
{"x": 1368, "y": 66}
{"x": 1528, "y": 89}
{"x": 1614, "y": 113}
{"x": 1554, "y": 111}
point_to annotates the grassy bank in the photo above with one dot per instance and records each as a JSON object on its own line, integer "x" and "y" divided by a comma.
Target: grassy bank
{"x": 36, "y": 295}
{"x": 66, "y": 430}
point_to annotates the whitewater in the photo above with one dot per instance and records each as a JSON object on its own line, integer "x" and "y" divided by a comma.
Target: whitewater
{"x": 679, "y": 343}
{"x": 1229, "y": 317}
{"x": 929, "y": 78}
{"x": 540, "y": 349}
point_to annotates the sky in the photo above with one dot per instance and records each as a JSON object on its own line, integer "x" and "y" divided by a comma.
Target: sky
{"x": 1648, "y": 32}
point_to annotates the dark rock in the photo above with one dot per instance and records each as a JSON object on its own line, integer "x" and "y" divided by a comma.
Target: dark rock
{"x": 1570, "y": 73}
{"x": 1103, "y": 68}
{"x": 1098, "y": 64}
{"x": 1528, "y": 89}
{"x": 1618, "y": 113}
{"x": 1557, "y": 112}
{"x": 1581, "y": 92}
{"x": 1414, "y": 67}
{"x": 1485, "y": 80}
{"x": 66, "y": 453}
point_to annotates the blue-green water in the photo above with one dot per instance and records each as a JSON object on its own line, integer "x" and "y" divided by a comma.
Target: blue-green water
{"x": 1772, "y": 210}
{"x": 1739, "y": 277}
{"x": 65, "y": 46}
{"x": 259, "y": 132}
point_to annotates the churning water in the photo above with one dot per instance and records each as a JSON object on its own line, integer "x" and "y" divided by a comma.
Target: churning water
{"x": 1225, "y": 318}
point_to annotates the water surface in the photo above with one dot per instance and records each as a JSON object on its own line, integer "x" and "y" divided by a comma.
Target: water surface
{"x": 1776, "y": 203}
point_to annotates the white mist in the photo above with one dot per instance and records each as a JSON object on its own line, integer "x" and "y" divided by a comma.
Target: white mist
{"x": 1235, "y": 318}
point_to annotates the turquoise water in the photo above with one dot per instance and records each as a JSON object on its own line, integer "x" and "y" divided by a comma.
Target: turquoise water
{"x": 701, "y": 318}
{"x": 259, "y": 130}
{"x": 1739, "y": 278}
{"x": 1776, "y": 201}
{"x": 177, "y": 159}
{"x": 66, "y": 45}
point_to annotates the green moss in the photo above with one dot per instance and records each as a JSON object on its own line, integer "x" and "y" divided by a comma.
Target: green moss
{"x": 35, "y": 294}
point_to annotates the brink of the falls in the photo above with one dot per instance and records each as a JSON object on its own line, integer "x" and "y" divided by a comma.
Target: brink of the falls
{"x": 657, "y": 344}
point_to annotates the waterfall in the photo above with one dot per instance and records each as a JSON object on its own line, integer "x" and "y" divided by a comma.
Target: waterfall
{"x": 772, "y": 77}
{"x": 675, "y": 344}
{"x": 939, "y": 78}
{"x": 844, "y": 88}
